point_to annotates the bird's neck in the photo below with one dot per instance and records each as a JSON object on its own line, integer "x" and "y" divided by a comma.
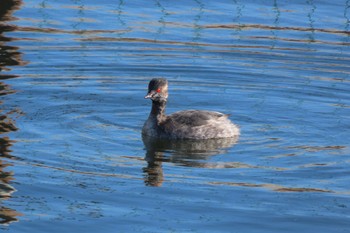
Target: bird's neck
{"x": 158, "y": 110}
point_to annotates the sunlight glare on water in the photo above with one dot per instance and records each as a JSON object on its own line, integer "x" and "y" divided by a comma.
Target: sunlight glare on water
{"x": 73, "y": 76}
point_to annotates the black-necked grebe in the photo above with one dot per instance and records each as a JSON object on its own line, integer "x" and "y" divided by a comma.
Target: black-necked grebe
{"x": 189, "y": 124}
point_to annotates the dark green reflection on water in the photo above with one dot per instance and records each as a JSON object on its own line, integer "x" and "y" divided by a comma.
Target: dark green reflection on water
{"x": 9, "y": 56}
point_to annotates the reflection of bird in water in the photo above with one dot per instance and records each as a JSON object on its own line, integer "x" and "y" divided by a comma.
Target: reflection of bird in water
{"x": 190, "y": 124}
{"x": 191, "y": 153}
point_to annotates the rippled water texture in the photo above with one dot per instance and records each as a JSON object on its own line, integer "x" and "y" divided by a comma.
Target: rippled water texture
{"x": 72, "y": 81}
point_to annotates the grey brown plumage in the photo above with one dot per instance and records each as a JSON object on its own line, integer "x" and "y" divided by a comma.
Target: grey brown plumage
{"x": 189, "y": 124}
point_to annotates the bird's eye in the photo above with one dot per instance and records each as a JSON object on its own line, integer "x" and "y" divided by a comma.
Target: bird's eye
{"x": 158, "y": 90}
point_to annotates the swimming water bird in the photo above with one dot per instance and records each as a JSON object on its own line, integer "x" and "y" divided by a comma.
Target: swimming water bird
{"x": 188, "y": 124}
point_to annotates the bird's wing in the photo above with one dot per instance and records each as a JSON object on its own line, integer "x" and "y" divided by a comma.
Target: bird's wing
{"x": 192, "y": 118}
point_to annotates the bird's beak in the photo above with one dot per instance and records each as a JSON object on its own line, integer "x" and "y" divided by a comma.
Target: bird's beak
{"x": 150, "y": 95}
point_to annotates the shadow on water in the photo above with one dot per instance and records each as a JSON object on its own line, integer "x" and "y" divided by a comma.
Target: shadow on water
{"x": 189, "y": 153}
{"x": 7, "y": 215}
{"x": 9, "y": 57}
{"x": 9, "y": 54}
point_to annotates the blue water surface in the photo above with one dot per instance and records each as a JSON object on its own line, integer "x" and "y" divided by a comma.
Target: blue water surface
{"x": 73, "y": 77}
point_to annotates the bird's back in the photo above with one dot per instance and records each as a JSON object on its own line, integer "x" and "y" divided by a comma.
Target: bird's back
{"x": 196, "y": 124}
